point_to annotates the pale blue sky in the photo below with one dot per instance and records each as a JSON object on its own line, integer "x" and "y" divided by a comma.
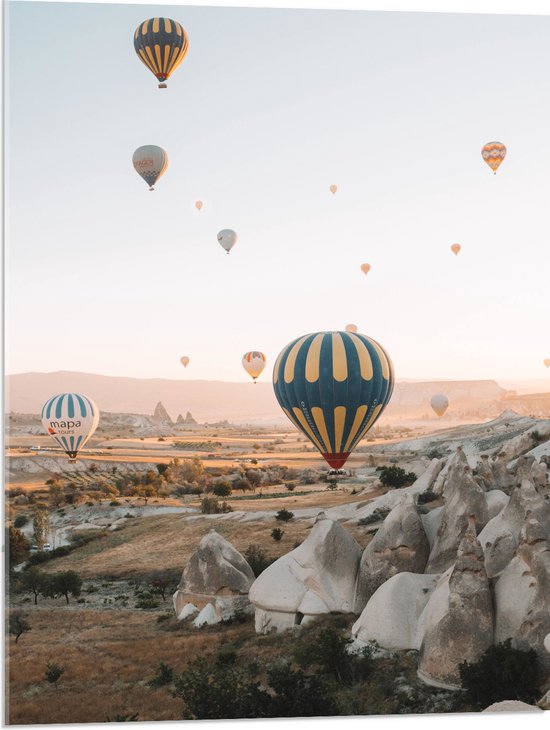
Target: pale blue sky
{"x": 268, "y": 109}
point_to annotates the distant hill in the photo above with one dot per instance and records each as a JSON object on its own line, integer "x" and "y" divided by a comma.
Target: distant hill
{"x": 210, "y": 401}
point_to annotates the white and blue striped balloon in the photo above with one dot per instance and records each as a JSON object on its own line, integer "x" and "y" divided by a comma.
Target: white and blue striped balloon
{"x": 70, "y": 419}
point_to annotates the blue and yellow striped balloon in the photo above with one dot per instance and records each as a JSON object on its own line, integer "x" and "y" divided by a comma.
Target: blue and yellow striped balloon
{"x": 70, "y": 419}
{"x": 333, "y": 386}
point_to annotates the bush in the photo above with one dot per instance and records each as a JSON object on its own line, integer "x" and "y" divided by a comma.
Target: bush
{"x": 39, "y": 557}
{"x": 222, "y": 489}
{"x": 211, "y": 506}
{"x": 258, "y": 559}
{"x": 53, "y": 673}
{"x": 147, "y": 601}
{"x": 378, "y": 515}
{"x": 114, "y": 503}
{"x": 284, "y": 515}
{"x": 427, "y": 496}
{"x": 163, "y": 676}
{"x": 502, "y": 673}
{"x": 277, "y": 534}
{"x": 395, "y": 477}
{"x": 20, "y": 520}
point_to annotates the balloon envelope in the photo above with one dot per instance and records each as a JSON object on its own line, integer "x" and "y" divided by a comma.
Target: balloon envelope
{"x": 455, "y": 248}
{"x": 184, "y": 361}
{"x": 333, "y": 188}
{"x": 70, "y": 419}
{"x": 439, "y": 403}
{"x": 161, "y": 44}
{"x": 333, "y": 386}
{"x": 351, "y": 328}
{"x": 198, "y": 204}
{"x": 254, "y": 363}
{"x": 150, "y": 162}
{"x": 365, "y": 268}
{"x": 227, "y": 239}
{"x": 547, "y": 363}
{"x": 493, "y": 153}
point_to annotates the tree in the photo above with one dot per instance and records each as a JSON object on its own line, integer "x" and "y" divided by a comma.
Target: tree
{"x": 33, "y": 581}
{"x": 258, "y": 559}
{"x": 55, "y": 492}
{"x": 502, "y": 673}
{"x": 18, "y": 624}
{"x": 222, "y": 489}
{"x": 53, "y": 673}
{"x": 41, "y": 526}
{"x": 61, "y": 584}
{"x": 277, "y": 534}
{"x": 242, "y": 484}
{"x": 254, "y": 477}
{"x": 284, "y": 515}
{"x": 395, "y": 477}
{"x": 18, "y": 546}
{"x": 160, "y": 581}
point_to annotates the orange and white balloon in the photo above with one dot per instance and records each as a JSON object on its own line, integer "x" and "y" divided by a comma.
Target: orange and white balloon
{"x": 254, "y": 363}
{"x": 365, "y": 268}
{"x": 198, "y": 204}
{"x": 351, "y": 328}
{"x": 333, "y": 188}
{"x": 184, "y": 361}
{"x": 455, "y": 248}
{"x": 547, "y": 363}
{"x": 493, "y": 154}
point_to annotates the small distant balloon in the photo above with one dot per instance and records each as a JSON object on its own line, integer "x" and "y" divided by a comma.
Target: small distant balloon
{"x": 547, "y": 362}
{"x": 150, "y": 162}
{"x": 365, "y": 268}
{"x": 455, "y": 248}
{"x": 227, "y": 239}
{"x": 351, "y": 328}
{"x": 493, "y": 153}
{"x": 439, "y": 403}
{"x": 70, "y": 419}
{"x": 333, "y": 188}
{"x": 184, "y": 361}
{"x": 254, "y": 363}
{"x": 161, "y": 44}
{"x": 198, "y": 204}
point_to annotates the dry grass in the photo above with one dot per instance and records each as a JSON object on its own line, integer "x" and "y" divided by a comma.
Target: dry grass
{"x": 108, "y": 658}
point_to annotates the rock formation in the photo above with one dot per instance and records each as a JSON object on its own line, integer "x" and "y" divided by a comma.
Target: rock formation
{"x": 216, "y": 573}
{"x": 161, "y": 416}
{"x": 465, "y": 498}
{"x": 465, "y": 629}
{"x": 317, "y": 577}
{"x": 400, "y": 545}
{"x": 189, "y": 420}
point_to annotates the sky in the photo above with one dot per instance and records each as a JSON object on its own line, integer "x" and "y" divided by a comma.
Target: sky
{"x": 269, "y": 108}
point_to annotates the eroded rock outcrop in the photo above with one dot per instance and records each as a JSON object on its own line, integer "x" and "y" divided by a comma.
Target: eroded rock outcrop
{"x": 315, "y": 578}
{"x": 400, "y": 545}
{"x": 161, "y": 416}
{"x": 464, "y": 629}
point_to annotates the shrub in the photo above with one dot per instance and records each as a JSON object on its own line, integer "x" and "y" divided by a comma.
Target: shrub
{"x": 378, "y": 515}
{"x": 284, "y": 515}
{"x": 277, "y": 534}
{"x": 396, "y": 477}
{"x": 164, "y": 675}
{"x": 53, "y": 673}
{"x": 427, "y": 496}
{"x": 222, "y": 489}
{"x": 114, "y": 503}
{"x": 20, "y": 520}
{"x": 147, "y": 601}
{"x": 211, "y": 506}
{"x": 502, "y": 673}
{"x": 258, "y": 559}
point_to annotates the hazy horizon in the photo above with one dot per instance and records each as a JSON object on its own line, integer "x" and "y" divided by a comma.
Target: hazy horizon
{"x": 269, "y": 108}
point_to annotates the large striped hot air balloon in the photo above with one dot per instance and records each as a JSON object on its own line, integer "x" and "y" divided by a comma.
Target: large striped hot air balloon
{"x": 150, "y": 163}
{"x": 333, "y": 386}
{"x": 493, "y": 153}
{"x": 161, "y": 44}
{"x": 70, "y": 419}
{"x": 254, "y": 363}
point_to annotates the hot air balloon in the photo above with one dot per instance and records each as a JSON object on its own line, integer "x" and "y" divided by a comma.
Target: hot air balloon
{"x": 493, "y": 153}
{"x": 150, "y": 163}
{"x": 184, "y": 361}
{"x": 455, "y": 248}
{"x": 70, "y": 419}
{"x": 161, "y": 43}
{"x": 254, "y": 363}
{"x": 333, "y": 188}
{"x": 439, "y": 403}
{"x": 333, "y": 386}
{"x": 365, "y": 268}
{"x": 547, "y": 363}
{"x": 351, "y": 328}
{"x": 227, "y": 239}
{"x": 198, "y": 204}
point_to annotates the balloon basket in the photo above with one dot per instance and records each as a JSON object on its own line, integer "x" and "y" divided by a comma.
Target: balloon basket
{"x": 162, "y": 86}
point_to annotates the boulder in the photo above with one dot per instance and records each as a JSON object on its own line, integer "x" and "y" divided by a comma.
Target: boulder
{"x": 208, "y": 615}
{"x": 462, "y": 627}
{"x": 464, "y": 498}
{"x": 400, "y": 545}
{"x": 317, "y": 577}
{"x": 218, "y": 571}
{"x": 390, "y": 618}
{"x": 188, "y": 610}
